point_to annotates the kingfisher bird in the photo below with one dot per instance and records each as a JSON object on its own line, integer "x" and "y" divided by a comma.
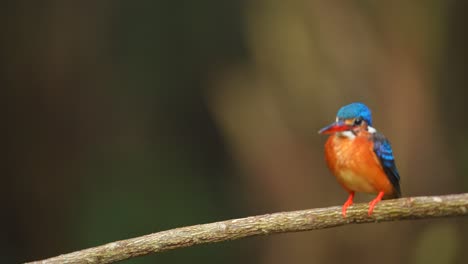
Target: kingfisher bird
{"x": 360, "y": 157}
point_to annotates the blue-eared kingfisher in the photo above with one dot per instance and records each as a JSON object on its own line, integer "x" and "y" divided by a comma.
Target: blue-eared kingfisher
{"x": 360, "y": 157}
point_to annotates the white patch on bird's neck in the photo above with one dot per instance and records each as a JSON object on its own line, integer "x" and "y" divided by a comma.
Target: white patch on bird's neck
{"x": 371, "y": 129}
{"x": 347, "y": 134}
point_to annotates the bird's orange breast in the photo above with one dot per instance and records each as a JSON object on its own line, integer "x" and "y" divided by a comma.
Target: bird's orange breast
{"x": 355, "y": 165}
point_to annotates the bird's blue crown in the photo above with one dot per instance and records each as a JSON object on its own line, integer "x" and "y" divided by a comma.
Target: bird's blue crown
{"x": 355, "y": 110}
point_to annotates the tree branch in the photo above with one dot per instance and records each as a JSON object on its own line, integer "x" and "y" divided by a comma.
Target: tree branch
{"x": 389, "y": 210}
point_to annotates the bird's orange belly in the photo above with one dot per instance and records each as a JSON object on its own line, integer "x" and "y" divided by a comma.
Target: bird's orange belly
{"x": 356, "y": 167}
{"x": 355, "y": 182}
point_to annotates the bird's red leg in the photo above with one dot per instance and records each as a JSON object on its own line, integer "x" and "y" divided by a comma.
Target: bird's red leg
{"x": 348, "y": 203}
{"x": 374, "y": 202}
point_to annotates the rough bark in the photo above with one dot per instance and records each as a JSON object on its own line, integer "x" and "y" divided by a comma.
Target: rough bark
{"x": 296, "y": 221}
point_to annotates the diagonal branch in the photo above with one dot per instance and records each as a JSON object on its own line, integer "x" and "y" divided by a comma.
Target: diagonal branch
{"x": 390, "y": 210}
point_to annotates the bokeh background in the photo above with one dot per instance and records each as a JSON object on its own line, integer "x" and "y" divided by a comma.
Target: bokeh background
{"x": 124, "y": 118}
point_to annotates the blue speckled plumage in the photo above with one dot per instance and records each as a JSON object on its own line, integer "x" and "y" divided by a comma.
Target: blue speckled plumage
{"x": 355, "y": 110}
{"x": 384, "y": 152}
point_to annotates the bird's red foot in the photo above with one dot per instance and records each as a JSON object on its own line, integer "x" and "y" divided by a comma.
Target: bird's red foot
{"x": 374, "y": 202}
{"x": 347, "y": 204}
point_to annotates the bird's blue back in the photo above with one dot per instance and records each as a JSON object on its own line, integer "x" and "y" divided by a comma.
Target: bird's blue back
{"x": 384, "y": 152}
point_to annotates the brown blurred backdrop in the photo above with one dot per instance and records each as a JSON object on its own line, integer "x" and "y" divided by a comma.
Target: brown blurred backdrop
{"x": 124, "y": 118}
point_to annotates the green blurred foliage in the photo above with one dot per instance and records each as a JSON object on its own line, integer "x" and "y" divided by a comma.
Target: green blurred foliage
{"x": 126, "y": 118}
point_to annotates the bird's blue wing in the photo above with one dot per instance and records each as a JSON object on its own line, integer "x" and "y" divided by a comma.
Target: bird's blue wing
{"x": 384, "y": 152}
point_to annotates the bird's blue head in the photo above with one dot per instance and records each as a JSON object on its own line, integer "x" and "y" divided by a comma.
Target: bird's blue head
{"x": 349, "y": 117}
{"x": 355, "y": 110}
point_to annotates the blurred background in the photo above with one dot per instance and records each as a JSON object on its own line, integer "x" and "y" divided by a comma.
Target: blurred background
{"x": 124, "y": 118}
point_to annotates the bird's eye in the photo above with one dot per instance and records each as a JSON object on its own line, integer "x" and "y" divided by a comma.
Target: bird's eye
{"x": 357, "y": 121}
